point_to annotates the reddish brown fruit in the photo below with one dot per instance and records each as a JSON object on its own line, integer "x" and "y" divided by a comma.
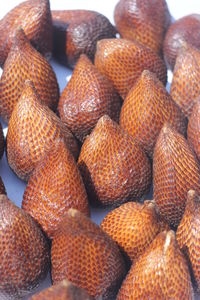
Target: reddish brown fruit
{"x": 25, "y": 63}
{"x": 184, "y": 30}
{"x": 87, "y": 256}
{"x": 1, "y": 141}
{"x": 133, "y": 226}
{"x": 146, "y": 108}
{"x": 64, "y": 290}
{"x": 188, "y": 234}
{"x": 25, "y": 260}
{"x": 175, "y": 171}
{"x": 35, "y": 19}
{"x": 2, "y": 187}
{"x": 87, "y": 97}
{"x": 193, "y": 132}
{"x": 54, "y": 186}
{"x": 123, "y": 61}
{"x": 145, "y": 21}
{"x": 113, "y": 167}
{"x": 161, "y": 272}
{"x": 76, "y": 32}
{"x": 185, "y": 85}
{"x": 32, "y": 129}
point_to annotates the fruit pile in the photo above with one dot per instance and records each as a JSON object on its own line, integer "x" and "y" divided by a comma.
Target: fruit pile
{"x": 112, "y": 134}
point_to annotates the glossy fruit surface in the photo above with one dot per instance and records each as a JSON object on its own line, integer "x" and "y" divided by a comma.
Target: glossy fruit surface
{"x": 76, "y": 32}
{"x": 123, "y": 61}
{"x": 25, "y": 262}
{"x": 161, "y": 272}
{"x": 54, "y": 186}
{"x": 113, "y": 167}
{"x": 87, "y": 97}
{"x": 87, "y": 256}
{"x": 175, "y": 171}
{"x": 32, "y": 129}
{"x": 25, "y": 63}
{"x": 35, "y": 19}
{"x": 193, "y": 132}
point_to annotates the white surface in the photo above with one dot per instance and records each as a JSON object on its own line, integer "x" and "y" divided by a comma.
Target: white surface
{"x": 178, "y": 8}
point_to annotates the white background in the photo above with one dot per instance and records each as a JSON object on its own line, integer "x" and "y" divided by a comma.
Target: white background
{"x": 178, "y": 8}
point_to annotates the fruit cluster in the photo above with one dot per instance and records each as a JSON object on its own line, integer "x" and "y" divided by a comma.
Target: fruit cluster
{"x": 112, "y": 134}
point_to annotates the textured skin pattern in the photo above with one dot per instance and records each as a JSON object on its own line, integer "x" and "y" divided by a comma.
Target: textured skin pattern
{"x": 25, "y": 260}
{"x": 2, "y": 187}
{"x": 133, "y": 226}
{"x": 143, "y": 20}
{"x": 87, "y": 256}
{"x": 87, "y": 97}
{"x": 123, "y": 61}
{"x": 161, "y": 272}
{"x": 32, "y": 129}
{"x": 1, "y": 141}
{"x": 54, "y": 186}
{"x": 188, "y": 234}
{"x": 76, "y": 32}
{"x": 26, "y": 63}
{"x": 62, "y": 291}
{"x": 113, "y": 167}
{"x": 185, "y": 85}
{"x": 193, "y": 132}
{"x": 35, "y": 19}
{"x": 175, "y": 171}
{"x": 184, "y": 30}
{"x": 146, "y": 108}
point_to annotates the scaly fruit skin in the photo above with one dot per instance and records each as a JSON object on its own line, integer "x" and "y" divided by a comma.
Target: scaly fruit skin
{"x": 64, "y": 290}
{"x": 193, "y": 131}
{"x": 145, "y": 21}
{"x": 35, "y": 19}
{"x": 1, "y": 141}
{"x": 184, "y": 30}
{"x": 175, "y": 171}
{"x": 54, "y": 186}
{"x": 145, "y": 110}
{"x": 123, "y": 61}
{"x": 161, "y": 272}
{"x": 87, "y": 97}
{"x": 32, "y": 129}
{"x": 133, "y": 226}
{"x": 188, "y": 234}
{"x": 24, "y": 262}
{"x": 25, "y": 63}
{"x": 76, "y": 32}
{"x": 113, "y": 167}
{"x": 185, "y": 85}
{"x": 87, "y": 256}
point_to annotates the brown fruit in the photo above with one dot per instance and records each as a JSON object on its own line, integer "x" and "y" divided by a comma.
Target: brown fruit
{"x": 161, "y": 272}
{"x": 25, "y": 253}
{"x": 87, "y": 256}
{"x": 1, "y": 141}
{"x": 54, "y": 186}
{"x": 113, "y": 167}
{"x": 87, "y": 97}
{"x": 185, "y": 85}
{"x": 184, "y": 30}
{"x": 32, "y": 129}
{"x": 2, "y": 187}
{"x": 193, "y": 132}
{"x": 35, "y": 19}
{"x": 133, "y": 226}
{"x": 77, "y": 32}
{"x": 123, "y": 61}
{"x": 145, "y": 21}
{"x": 188, "y": 234}
{"x": 25, "y": 63}
{"x": 146, "y": 108}
{"x": 64, "y": 290}
{"x": 175, "y": 171}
